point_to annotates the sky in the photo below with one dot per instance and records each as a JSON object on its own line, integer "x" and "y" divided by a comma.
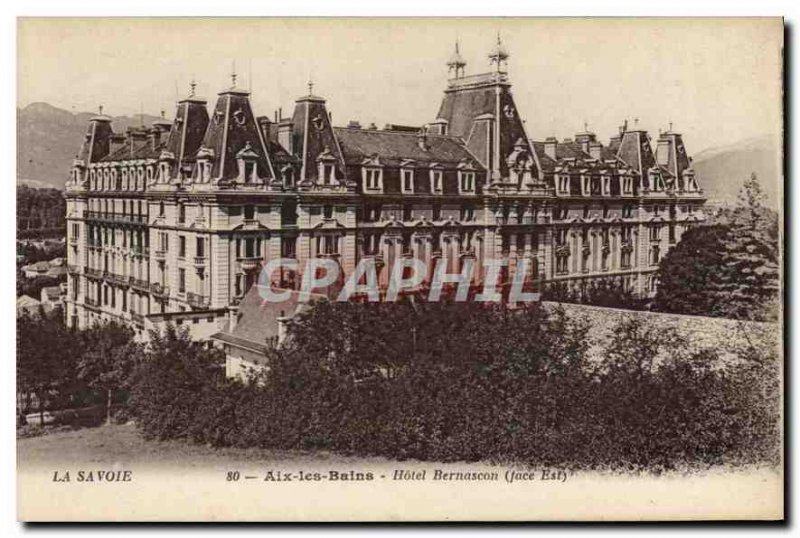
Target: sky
{"x": 718, "y": 81}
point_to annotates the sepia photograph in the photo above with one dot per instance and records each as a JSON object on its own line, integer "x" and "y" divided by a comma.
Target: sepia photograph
{"x": 399, "y": 269}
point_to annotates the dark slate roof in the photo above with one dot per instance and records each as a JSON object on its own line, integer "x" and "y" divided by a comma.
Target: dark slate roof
{"x": 393, "y": 147}
{"x": 141, "y": 150}
{"x": 547, "y": 163}
{"x": 258, "y": 319}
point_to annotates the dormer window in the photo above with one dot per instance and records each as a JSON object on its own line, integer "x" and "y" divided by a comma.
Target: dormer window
{"x": 326, "y": 167}
{"x": 407, "y": 180}
{"x": 466, "y": 182}
{"x": 606, "y": 185}
{"x": 586, "y": 185}
{"x": 562, "y": 183}
{"x": 246, "y": 159}
{"x": 627, "y": 184}
{"x": 436, "y": 181}
{"x": 373, "y": 179}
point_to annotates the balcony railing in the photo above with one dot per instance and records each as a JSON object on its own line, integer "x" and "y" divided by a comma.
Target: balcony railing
{"x": 196, "y": 300}
{"x": 159, "y": 289}
{"x": 89, "y": 301}
{"x": 199, "y": 262}
{"x": 73, "y": 240}
{"x": 73, "y": 269}
{"x": 139, "y": 284}
{"x": 160, "y": 255}
{"x": 115, "y": 217}
{"x": 92, "y": 272}
{"x": 249, "y": 263}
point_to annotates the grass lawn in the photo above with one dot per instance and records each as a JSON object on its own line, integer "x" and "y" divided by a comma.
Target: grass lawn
{"x": 115, "y": 444}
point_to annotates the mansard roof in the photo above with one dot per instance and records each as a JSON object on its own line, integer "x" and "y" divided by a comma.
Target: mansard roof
{"x": 231, "y": 128}
{"x": 136, "y": 150}
{"x": 393, "y": 147}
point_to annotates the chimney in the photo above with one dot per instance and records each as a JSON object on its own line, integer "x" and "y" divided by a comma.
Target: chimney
{"x": 117, "y": 141}
{"x": 154, "y": 135}
{"x": 550, "y": 145}
{"x": 596, "y": 150}
{"x": 353, "y": 124}
{"x": 422, "y": 140}
{"x": 265, "y": 125}
{"x": 285, "y": 135}
{"x": 136, "y": 136}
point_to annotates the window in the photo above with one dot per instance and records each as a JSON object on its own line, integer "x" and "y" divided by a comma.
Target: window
{"x": 288, "y": 247}
{"x": 467, "y": 213}
{"x": 655, "y": 233}
{"x": 181, "y": 246}
{"x": 407, "y": 181}
{"x": 373, "y": 213}
{"x": 562, "y": 184}
{"x": 627, "y": 234}
{"x": 181, "y": 280}
{"x": 373, "y": 179}
{"x": 586, "y": 211}
{"x": 181, "y": 213}
{"x": 466, "y": 182}
{"x": 562, "y": 265}
{"x": 327, "y": 244}
{"x": 627, "y": 185}
{"x": 200, "y": 248}
{"x": 249, "y": 212}
{"x": 436, "y": 212}
{"x": 372, "y": 244}
{"x": 327, "y": 211}
{"x": 561, "y": 237}
{"x": 655, "y": 255}
{"x": 161, "y": 211}
{"x": 408, "y": 212}
{"x": 605, "y": 211}
{"x": 625, "y": 259}
{"x": 436, "y": 181}
{"x": 627, "y": 211}
{"x": 672, "y": 233}
{"x": 250, "y": 248}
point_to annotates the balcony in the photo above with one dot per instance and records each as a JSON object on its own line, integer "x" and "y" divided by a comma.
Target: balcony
{"x": 73, "y": 240}
{"x": 140, "y": 252}
{"x": 160, "y": 255}
{"x": 249, "y": 263}
{"x": 197, "y": 301}
{"x": 89, "y": 301}
{"x": 73, "y": 269}
{"x": 114, "y": 217}
{"x": 138, "y": 284}
{"x": 159, "y": 290}
{"x": 199, "y": 262}
{"x": 93, "y": 273}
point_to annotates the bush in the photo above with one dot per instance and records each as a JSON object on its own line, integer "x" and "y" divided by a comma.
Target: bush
{"x": 448, "y": 382}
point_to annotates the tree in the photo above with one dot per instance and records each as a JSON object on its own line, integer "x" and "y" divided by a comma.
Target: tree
{"x": 46, "y": 354}
{"x": 729, "y": 268}
{"x": 108, "y": 360}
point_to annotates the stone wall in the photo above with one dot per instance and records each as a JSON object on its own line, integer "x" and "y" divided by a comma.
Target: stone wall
{"x": 721, "y": 334}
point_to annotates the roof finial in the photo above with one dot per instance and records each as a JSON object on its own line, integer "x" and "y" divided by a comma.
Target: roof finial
{"x": 585, "y": 126}
{"x": 499, "y": 55}
{"x": 100, "y": 108}
{"x": 635, "y": 122}
{"x": 456, "y": 62}
{"x": 163, "y": 114}
{"x": 192, "y": 87}
{"x": 310, "y": 87}
{"x": 233, "y": 74}
{"x": 670, "y": 126}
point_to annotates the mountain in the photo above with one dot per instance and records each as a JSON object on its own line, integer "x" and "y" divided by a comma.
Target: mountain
{"x": 48, "y": 139}
{"x": 722, "y": 170}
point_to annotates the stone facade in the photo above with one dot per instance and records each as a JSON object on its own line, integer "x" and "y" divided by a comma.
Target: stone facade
{"x": 173, "y": 222}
